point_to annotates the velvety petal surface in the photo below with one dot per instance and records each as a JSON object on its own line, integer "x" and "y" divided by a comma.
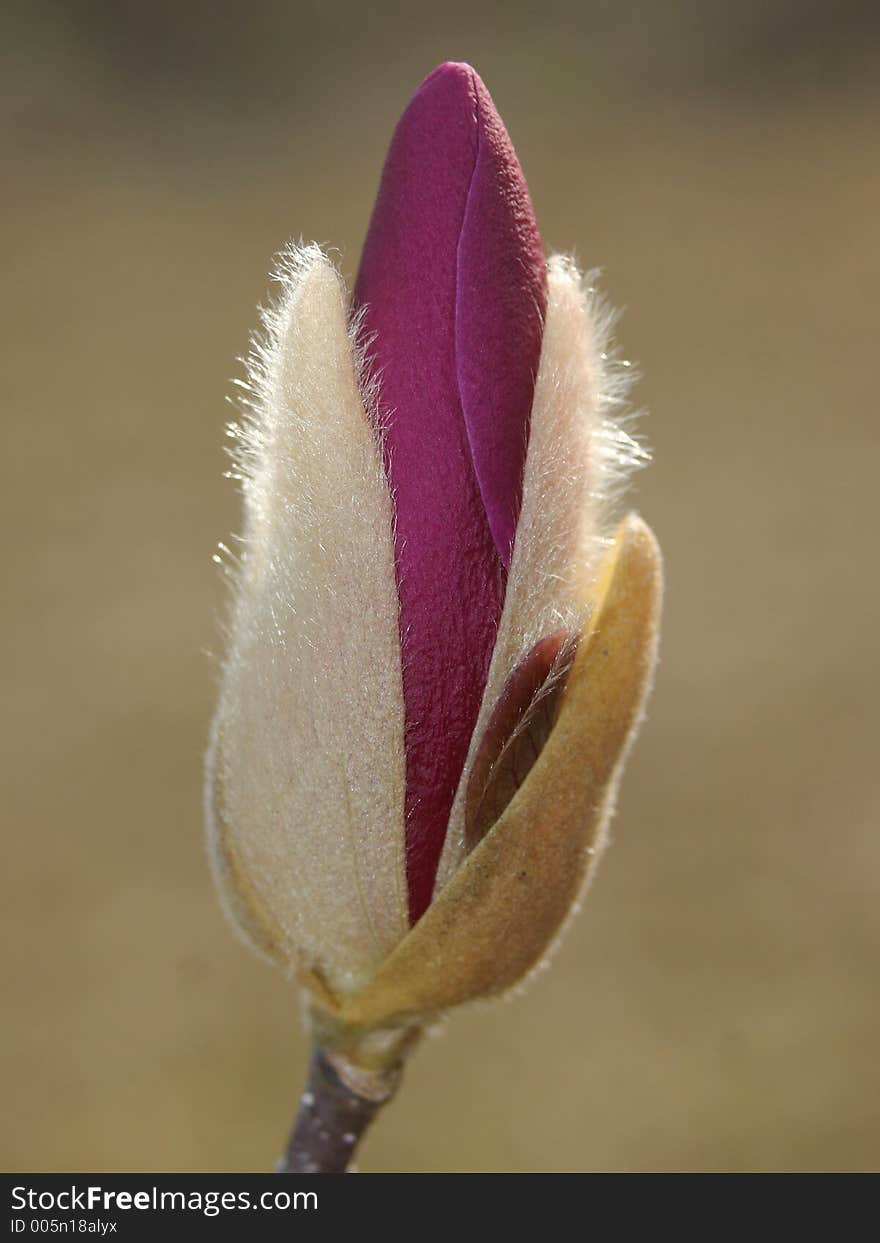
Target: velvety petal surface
{"x": 452, "y": 286}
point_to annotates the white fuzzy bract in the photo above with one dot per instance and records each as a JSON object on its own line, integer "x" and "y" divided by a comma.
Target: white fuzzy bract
{"x": 306, "y": 768}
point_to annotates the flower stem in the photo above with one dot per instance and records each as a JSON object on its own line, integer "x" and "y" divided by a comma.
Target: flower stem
{"x": 337, "y": 1106}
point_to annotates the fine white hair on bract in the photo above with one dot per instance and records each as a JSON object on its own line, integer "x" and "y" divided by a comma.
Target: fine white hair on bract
{"x": 306, "y": 769}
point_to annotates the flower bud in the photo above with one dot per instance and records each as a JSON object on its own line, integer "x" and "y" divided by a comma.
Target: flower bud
{"x": 439, "y": 647}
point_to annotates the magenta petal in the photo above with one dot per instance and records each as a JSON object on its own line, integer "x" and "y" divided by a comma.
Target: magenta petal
{"x": 500, "y": 309}
{"x": 453, "y": 285}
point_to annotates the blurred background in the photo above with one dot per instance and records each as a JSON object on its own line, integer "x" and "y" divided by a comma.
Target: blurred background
{"x": 716, "y": 1004}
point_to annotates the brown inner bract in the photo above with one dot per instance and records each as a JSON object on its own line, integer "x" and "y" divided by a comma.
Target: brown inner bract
{"x": 520, "y": 724}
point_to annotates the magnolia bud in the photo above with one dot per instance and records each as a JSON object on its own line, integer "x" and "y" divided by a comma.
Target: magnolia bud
{"x": 440, "y": 646}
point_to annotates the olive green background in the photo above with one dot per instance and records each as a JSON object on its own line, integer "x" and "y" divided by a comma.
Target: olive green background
{"x": 715, "y": 1006}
